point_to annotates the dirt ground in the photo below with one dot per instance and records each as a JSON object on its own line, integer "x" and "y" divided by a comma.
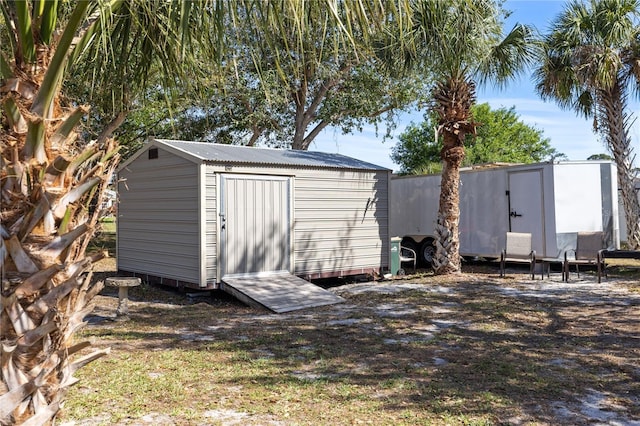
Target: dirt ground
{"x": 504, "y": 350}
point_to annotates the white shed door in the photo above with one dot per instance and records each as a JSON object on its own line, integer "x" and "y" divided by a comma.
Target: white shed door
{"x": 526, "y": 206}
{"x": 254, "y": 224}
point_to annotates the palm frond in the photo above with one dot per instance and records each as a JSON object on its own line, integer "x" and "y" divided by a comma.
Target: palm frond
{"x": 55, "y": 70}
{"x": 5, "y": 69}
{"x": 509, "y": 57}
{"x": 48, "y": 16}
{"x": 26, "y": 43}
{"x": 146, "y": 36}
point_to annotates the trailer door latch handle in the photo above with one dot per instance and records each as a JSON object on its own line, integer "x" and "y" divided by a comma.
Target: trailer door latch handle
{"x": 514, "y": 214}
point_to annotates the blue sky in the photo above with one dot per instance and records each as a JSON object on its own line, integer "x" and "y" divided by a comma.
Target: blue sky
{"x": 568, "y": 133}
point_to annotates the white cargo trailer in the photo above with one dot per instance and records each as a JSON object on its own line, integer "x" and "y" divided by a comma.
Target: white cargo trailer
{"x": 552, "y": 201}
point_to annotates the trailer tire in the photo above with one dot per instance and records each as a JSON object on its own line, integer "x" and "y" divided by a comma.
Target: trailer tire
{"x": 427, "y": 252}
{"x": 410, "y": 244}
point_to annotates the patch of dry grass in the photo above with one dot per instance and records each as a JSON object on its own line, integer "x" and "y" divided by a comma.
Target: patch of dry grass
{"x": 471, "y": 349}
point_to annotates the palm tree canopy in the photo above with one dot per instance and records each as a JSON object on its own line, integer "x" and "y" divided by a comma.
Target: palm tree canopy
{"x": 591, "y": 46}
{"x": 177, "y": 41}
{"x": 464, "y": 40}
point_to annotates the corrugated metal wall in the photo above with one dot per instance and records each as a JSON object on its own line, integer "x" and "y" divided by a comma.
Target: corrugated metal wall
{"x": 210, "y": 252}
{"x": 158, "y": 228}
{"x": 340, "y": 218}
{"x": 340, "y": 221}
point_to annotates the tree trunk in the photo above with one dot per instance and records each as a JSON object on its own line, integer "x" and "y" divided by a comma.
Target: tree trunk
{"x": 453, "y": 101}
{"x": 447, "y": 258}
{"x": 52, "y": 186}
{"x": 616, "y": 125}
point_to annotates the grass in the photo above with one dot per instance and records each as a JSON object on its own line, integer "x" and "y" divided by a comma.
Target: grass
{"x": 108, "y": 224}
{"x": 628, "y": 269}
{"x": 460, "y": 350}
{"x": 454, "y": 351}
{"x": 105, "y": 238}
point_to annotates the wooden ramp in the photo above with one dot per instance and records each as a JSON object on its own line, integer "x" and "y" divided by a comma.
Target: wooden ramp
{"x": 279, "y": 292}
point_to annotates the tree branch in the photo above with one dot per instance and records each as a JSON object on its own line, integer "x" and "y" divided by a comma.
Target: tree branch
{"x": 312, "y": 134}
{"x": 111, "y": 127}
{"x": 325, "y": 87}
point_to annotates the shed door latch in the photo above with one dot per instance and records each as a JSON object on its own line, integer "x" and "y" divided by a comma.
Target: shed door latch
{"x": 223, "y": 221}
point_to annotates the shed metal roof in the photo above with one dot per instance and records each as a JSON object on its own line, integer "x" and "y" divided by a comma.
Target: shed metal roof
{"x": 219, "y": 153}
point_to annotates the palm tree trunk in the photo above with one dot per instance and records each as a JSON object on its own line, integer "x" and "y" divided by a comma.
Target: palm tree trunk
{"x": 447, "y": 258}
{"x": 51, "y": 187}
{"x": 616, "y": 124}
{"x": 454, "y": 99}
{"x": 47, "y": 287}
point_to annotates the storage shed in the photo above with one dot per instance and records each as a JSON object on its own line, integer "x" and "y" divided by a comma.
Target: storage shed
{"x": 192, "y": 214}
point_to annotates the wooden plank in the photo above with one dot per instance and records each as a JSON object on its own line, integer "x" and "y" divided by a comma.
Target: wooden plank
{"x": 279, "y": 292}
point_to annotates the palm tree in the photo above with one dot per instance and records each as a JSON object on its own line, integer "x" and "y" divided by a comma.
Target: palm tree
{"x": 52, "y": 180}
{"x": 459, "y": 44}
{"x": 591, "y": 63}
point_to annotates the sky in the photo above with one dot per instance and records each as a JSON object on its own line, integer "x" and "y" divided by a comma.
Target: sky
{"x": 568, "y": 133}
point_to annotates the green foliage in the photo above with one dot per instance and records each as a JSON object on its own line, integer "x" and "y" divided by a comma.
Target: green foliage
{"x": 501, "y": 137}
{"x": 417, "y": 151}
{"x": 284, "y": 77}
{"x": 476, "y": 47}
{"x": 144, "y": 62}
{"x": 600, "y": 157}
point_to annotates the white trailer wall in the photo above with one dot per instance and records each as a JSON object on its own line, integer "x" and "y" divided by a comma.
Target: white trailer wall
{"x": 551, "y": 201}
{"x": 580, "y": 190}
{"x": 482, "y": 231}
{"x": 413, "y": 205}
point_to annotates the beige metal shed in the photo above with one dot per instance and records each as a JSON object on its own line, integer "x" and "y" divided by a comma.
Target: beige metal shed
{"x": 191, "y": 214}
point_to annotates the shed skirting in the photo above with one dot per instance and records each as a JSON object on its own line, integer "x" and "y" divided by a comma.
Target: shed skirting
{"x": 169, "y": 282}
{"x": 339, "y": 274}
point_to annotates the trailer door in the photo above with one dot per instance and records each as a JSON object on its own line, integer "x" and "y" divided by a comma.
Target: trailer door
{"x": 526, "y": 206}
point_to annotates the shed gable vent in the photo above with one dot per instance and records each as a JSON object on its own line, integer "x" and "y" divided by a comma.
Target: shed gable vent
{"x": 153, "y": 153}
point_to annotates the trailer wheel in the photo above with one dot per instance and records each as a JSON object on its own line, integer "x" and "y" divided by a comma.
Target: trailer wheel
{"x": 427, "y": 252}
{"x": 410, "y": 244}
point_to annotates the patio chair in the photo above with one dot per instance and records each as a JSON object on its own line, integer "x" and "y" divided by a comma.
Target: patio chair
{"x": 588, "y": 251}
{"x": 518, "y": 249}
{"x": 408, "y": 255}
